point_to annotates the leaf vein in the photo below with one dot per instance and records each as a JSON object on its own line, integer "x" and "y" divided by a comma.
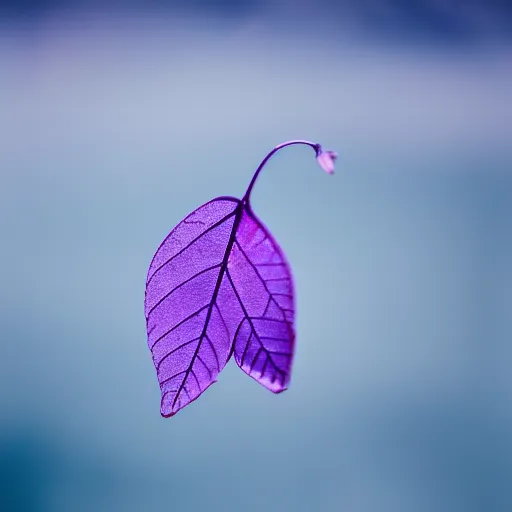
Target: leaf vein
{"x": 178, "y": 325}
{"x": 203, "y": 233}
{"x": 170, "y": 378}
{"x": 253, "y": 330}
{"x": 214, "y": 352}
{"x": 259, "y": 277}
{"x": 195, "y": 276}
{"x": 227, "y": 252}
{"x": 222, "y": 319}
{"x": 172, "y": 352}
{"x": 200, "y": 359}
{"x": 197, "y": 380}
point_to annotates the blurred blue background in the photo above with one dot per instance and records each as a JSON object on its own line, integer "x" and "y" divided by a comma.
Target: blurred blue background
{"x": 119, "y": 118}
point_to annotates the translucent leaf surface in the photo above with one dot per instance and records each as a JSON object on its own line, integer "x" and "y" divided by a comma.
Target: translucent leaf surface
{"x": 261, "y": 278}
{"x": 218, "y": 284}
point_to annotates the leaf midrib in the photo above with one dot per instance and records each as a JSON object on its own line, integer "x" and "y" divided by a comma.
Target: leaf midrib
{"x": 238, "y": 216}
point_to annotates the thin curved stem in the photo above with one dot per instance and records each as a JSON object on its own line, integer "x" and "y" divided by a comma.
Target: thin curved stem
{"x": 316, "y": 147}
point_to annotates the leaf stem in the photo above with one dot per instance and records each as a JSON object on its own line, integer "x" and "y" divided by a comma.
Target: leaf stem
{"x": 313, "y": 145}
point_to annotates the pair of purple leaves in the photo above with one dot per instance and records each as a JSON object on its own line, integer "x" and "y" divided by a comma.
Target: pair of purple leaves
{"x": 220, "y": 285}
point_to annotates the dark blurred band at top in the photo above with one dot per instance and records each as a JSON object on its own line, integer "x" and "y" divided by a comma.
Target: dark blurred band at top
{"x": 422, "y": 20}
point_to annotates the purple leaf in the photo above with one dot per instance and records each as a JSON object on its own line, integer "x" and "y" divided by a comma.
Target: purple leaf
{"x": 220, "y": 284}
{"x": 262, "y": 281}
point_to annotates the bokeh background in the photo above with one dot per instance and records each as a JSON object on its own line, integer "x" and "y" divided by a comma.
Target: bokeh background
{"x": 119, "y": 118}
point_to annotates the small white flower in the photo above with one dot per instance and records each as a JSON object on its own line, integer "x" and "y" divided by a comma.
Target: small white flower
{"x": 326, "y": 160}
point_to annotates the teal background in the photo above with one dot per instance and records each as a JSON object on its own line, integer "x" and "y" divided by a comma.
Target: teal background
{"x": 116, "y": 124}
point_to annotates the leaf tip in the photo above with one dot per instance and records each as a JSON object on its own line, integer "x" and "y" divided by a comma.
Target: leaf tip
{"x": 167, "y": 408}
